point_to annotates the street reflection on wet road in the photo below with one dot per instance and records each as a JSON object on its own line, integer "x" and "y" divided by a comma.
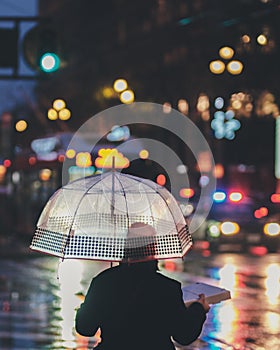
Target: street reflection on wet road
{"x": 39, "y": 297}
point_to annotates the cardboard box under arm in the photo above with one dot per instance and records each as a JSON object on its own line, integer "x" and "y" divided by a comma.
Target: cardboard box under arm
{"x": 213, "y": 294}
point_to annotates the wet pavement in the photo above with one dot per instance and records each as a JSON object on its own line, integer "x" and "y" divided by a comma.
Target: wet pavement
{"x": 39, "y": 295}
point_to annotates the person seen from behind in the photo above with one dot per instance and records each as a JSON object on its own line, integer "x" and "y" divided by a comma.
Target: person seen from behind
{"x": 138, "y": 308}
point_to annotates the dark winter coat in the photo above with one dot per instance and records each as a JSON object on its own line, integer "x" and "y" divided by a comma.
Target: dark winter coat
{"x": 138, "y": 308}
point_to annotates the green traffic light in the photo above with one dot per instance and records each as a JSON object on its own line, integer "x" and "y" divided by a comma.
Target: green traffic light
{"x": 49, "y": 62}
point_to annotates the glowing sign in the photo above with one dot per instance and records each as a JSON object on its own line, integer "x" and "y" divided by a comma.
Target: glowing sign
{"x": 224, "y": 125}
{"x": 118, "y": 133}
{"x": 107, "y": 158}
{"x": 83, "y": 159}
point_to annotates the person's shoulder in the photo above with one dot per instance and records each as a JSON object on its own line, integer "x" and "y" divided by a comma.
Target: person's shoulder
{"x": 168, "y": 280}
{"x": 107, "y": 272}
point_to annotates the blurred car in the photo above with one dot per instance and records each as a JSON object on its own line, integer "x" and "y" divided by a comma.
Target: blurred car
{"x": 233, "y": 224}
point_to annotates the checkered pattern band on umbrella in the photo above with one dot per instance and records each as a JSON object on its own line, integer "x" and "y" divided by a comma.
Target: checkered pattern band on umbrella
{"x": 110, "y": 248}
{"x": 95, "y": 218}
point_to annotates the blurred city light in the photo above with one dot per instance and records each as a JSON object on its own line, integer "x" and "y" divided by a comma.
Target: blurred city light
{"x": 186, "y": 192}
{"x": 235, "y": 67}
{"x": 219, "y": 171}
{"x": 217, "y": 67}
{"x": 7, "y": 163}
{"x": 272, "y": 285}
{"x": 118, "y": 133}
{"x": 32, "y": 160}
{"x": 203, "y": 103}
{"x": 182, "y": 169}
{"x": 49, "y": 62}
{"x": 167, "y": 108}
{"x": 70, "y": 153}
{"x": 224, "y": 124}
{"x": 64, "y": 114}
{"x": 261, "y": 212}
{"x": 144, "y": 154}
{"x": 3, "y": 170}
{"x": 272, "y": 229}
{"x": 108, "y": 92}
{"x": 246, "y": 39}
{"x": 59, "y": 110}
{"x": 52, "y": 114}
{"x": 45, "y": 174}
{"x": 21, "y": 125}
{"x": 229, "y": 228}
{"x": 59, "y": 104}
{"x": 83, "y": 159}
{"x": 127, "y": 96}
{"x": 214, "y": 228}
{"x": 262, "y": 39}
{"x": 183, "y": 106}
{"x": 161, "y": 179}
{"x": 235, "y": 197}
{"x": 226, "y": 52}
{"x": 111, "y": 158}
{"x": 204, "y": 180}
{"x": 219, "y": 196}
{"x": 120, "y": 85}
{"x": 219, "y": 103}
{"x": 275, "y": 198}
{"x": 76, "y": 172}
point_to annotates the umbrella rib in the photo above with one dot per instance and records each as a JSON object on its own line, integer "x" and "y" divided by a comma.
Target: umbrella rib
{"x": 124, "y": 194}
{"x": 74, "y": 215}
{"x": 134, "y": 178}
{"x": 150, "y": 186}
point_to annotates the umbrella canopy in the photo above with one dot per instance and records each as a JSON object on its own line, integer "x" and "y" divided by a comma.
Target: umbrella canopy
{"x": 113, "y": 217}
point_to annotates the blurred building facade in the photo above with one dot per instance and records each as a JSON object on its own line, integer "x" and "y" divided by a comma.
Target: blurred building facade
{"x": 163, "y": 49}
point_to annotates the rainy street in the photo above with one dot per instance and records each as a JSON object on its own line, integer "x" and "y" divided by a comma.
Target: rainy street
{"x": 39, "y": 295}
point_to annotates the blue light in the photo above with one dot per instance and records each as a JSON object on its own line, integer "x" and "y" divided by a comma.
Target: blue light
{"x": 219, "y": 196}
{"x": 219, "y": 103}
{"x": 49, "y": 62}
{"x": 185, "y": 21}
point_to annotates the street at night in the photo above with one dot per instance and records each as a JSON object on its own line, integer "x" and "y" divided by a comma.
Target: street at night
{"x": 39, "y": 295}
{"x": 133, "y": 132}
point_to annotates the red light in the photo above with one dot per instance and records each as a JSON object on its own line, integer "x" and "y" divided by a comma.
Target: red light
{"x": 206, "y": 253}
{"x": 201, "y": 245}
{"x": 32, "y": 160}
{"x": 257, "y": 214}
{"x": 261, "y": 212}
{"x": 235, "y": 197}
{"x": 161, "y": 180}
{"x": 258, "y": 250}
{"x": 7, "y": 163}
{"x": 170, "y": 266}
{"x": 61, "y": 158}
{"x": 275, "y": 198}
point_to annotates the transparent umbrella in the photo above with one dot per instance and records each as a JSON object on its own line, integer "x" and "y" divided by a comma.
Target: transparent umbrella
{"x": 105, "y": 216}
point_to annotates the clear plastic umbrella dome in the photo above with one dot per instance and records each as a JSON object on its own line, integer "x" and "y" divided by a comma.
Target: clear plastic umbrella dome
{"x": 102, "y": 217}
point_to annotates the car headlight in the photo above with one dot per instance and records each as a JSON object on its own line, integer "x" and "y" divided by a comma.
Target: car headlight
{"x": 214, "y": 228}
{"x": 271, "y": 229}
{"x": 230, "y": 228}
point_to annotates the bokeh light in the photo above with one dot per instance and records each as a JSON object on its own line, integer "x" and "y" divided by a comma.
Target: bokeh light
{"x": 21, "y": 125}
{"x": 226, "y": 52}
{"x": 217, "y": 67}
